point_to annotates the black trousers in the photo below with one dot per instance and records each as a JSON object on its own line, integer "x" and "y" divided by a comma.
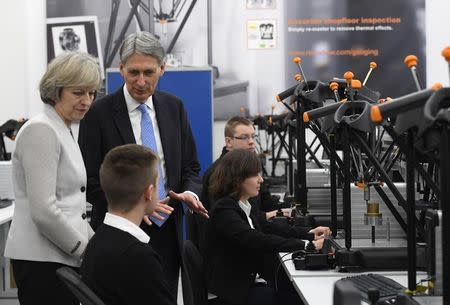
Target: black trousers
{"x": 258, "y": 295}
{"x": 262, "y": 295}
{"x": 286, "y": 293}
{"x": 37, "y": 283}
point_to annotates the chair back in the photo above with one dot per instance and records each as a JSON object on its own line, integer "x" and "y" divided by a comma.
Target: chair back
{"x": 79, "y": 289}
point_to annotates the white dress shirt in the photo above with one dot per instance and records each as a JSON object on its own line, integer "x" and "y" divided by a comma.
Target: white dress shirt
{"x": 246, "y": 207}
{"x": 124, "y": 224}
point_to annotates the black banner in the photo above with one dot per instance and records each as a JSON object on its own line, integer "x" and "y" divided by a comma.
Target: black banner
{"x": 334, "y": 36}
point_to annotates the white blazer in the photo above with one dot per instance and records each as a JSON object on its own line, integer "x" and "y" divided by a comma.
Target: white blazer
{"x": 49, "y": 222}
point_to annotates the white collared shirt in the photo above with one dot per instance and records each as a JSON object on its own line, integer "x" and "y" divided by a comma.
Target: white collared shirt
{"x": 246, "y": 207}
{"x": 124, "y": 224}
{"x": 135, "y": 119}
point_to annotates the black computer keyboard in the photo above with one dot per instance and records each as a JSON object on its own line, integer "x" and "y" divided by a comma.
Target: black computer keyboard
{"x": 5, "y": 203}
{"x": 387, "y": 287}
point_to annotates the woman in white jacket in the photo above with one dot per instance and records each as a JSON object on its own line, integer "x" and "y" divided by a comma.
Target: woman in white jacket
{"x": 49, "y": 227}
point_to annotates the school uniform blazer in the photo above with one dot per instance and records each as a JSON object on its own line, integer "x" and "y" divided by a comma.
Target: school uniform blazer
{"x": 49, "y": 222}
{"x": 125, "y": 271}
{"x": 234, "y": 251}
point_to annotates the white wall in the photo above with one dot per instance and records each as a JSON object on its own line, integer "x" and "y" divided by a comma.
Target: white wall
{"x": 23, "y": 53}
{"x": 23, "y": 57}
{"x": 437, "y": 37}
{"x": 264, "y": 69}
{"x": 192, "y": 44}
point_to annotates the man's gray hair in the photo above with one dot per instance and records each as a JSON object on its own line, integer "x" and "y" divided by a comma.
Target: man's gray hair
{"x": 142, "y": 43}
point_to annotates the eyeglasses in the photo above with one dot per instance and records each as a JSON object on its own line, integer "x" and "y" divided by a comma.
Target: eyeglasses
{"x": 246, "y": 138}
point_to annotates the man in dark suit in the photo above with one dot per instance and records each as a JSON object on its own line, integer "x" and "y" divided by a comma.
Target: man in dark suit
{"x": 136, "y": 113}
{"x": 119, "y": 264}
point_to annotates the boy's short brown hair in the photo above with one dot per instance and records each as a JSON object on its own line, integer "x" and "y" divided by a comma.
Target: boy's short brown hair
{"x": 125, "y": 173}
{"x": 233, "y": 122}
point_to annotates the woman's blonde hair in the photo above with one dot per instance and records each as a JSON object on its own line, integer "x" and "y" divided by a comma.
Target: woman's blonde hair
{"x": 70, "y": 69}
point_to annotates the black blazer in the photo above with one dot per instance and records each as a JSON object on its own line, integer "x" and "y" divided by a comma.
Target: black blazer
{"x": 107, "y": 125}
{"x": 262, "y": 201}
{"x": 234, "y": 251}
{"x": 122, "y": 270}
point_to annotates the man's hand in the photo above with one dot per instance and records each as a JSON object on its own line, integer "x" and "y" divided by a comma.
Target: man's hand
{"x": 161, "y": 207}
{"x": 194, "y": 204}
{"x": 320, "y": 232}
{"x": 318, "y": 243}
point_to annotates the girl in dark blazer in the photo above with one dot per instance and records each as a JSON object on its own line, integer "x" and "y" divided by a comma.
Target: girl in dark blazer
{"x": 238, "y": 235}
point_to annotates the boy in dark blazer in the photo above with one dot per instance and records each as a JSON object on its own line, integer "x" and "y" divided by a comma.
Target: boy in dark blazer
{"x": 119, "y": 264}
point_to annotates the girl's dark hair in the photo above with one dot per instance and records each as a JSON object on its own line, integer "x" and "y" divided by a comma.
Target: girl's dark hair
{"x": 236, "y": 166}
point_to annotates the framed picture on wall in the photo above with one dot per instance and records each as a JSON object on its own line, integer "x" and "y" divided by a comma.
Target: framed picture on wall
{"x": 261, "y": 4}
{"x": 262, "y": 34}
{"x": 76, "y": 34}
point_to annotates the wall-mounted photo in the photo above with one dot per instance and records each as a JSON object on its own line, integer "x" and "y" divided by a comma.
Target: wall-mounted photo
{"x": 76, "y": 34}
{"x": 261, "y": 4}
{"x": 261, "y": 34}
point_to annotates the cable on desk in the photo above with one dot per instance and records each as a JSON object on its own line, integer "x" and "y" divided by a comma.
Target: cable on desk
{"x": 280, "y": 263}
